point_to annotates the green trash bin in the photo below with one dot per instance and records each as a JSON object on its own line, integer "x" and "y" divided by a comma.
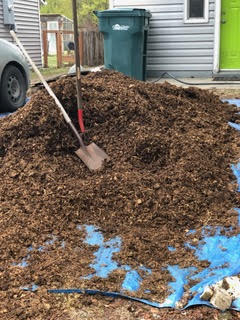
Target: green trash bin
{"x": 125, "y": 40}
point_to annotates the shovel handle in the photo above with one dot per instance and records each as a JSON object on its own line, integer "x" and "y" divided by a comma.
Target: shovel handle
{"x": 80, "y": 120}
{"x": 47, "y": 87}
{"x": 44, "y": 82}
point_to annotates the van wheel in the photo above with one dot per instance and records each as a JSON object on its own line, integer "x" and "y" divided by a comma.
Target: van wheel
{"x": 13, "y": 89}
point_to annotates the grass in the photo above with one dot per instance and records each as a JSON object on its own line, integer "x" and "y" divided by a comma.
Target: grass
{"x": 52, "y": 61}
{"x": 51, "y": 71}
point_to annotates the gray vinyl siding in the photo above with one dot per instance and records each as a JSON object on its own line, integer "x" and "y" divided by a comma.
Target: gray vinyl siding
{"x": 27, "y": 26}
{"x": 179, "y": 48}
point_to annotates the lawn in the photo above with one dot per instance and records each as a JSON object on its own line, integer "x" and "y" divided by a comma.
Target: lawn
{"x": 51, "y": 71}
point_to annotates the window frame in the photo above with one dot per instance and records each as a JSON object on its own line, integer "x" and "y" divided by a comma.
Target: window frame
{"x": 204, "y": 19}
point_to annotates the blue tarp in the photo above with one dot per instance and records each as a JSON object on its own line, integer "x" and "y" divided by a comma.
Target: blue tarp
{"x": 2, "y": 115}
{"x": 222, "y": 252}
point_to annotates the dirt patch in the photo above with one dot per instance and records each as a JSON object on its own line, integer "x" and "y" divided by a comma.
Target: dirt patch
{"x": 233, "y": 93}
{"x": 170, "y": 150}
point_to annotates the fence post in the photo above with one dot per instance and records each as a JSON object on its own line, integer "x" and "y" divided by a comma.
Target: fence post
{"x": 45, "y": 49}
{"x": 59, "y": 48}
{"x": 81, "y": 48}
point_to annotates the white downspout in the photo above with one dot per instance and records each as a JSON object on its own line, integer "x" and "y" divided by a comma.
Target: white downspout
{"x": 216, "y": 56}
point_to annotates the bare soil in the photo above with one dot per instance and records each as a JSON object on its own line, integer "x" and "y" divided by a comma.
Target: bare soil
{"x": 226, "y": 93}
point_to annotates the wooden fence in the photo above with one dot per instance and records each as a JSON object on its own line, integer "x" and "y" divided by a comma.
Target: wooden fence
{"x": 90, "y": 47}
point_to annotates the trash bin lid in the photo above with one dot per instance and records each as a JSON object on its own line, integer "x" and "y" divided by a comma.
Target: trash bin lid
{"x": 126, "y": 12}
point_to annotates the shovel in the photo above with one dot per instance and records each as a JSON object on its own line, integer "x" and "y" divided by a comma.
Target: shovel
{"x": 91, "y": 155}
{"x": 78, "y": 66}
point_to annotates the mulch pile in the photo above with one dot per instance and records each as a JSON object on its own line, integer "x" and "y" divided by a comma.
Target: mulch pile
{"x": 169, "y": 172}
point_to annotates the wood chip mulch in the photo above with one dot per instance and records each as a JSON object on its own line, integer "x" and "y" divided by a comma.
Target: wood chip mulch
{"x": 169, "y": 172}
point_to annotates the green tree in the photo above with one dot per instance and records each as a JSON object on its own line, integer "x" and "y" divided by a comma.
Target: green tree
{"x": 85, "y": 9}
{"x": 86, "y": 15}
{"x": 55, "y": 6}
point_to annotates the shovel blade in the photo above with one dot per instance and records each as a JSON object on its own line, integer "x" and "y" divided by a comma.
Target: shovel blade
{"x": 92, "y": 156}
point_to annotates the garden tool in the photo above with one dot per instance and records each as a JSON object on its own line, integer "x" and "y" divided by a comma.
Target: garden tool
{"x": 91, "y": 155}
{"x": 78, "y": 67}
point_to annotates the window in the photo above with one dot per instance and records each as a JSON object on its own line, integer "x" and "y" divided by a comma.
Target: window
{"x": 196, "y": 11}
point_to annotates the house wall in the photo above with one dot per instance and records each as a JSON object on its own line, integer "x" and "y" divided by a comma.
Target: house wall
{"x": 27, "y": 26}
{"x": 182, "y": 49}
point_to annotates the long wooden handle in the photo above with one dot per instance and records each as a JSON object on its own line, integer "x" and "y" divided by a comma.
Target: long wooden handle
{"x": 78, "y": 66}
{"x": 49, "y": 90}
{"x": 58, "y": 103}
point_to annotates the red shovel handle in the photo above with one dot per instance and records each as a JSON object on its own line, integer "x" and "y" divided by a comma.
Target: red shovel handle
{"x": 80, "y": 120}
